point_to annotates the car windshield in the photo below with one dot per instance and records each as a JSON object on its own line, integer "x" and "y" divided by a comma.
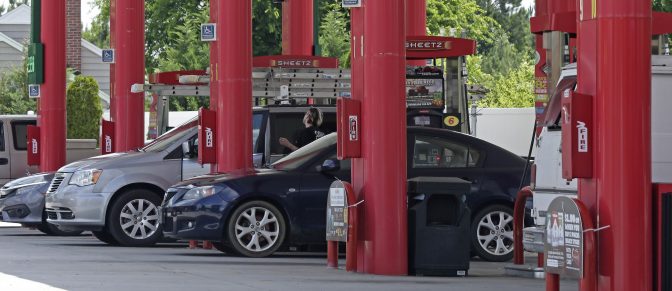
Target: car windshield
{"x": 169, "y": 138}
{"x": 299, "y": 157}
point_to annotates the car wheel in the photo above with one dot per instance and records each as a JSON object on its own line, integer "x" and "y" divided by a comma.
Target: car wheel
{"x": 134, "y": 218}
{"x": 224, "y": 248}
{"x": 105, "y": 237}
{"x": 492, "y": 233}
{"x": 256, "y": 229}
{"x": 53, "y": 230}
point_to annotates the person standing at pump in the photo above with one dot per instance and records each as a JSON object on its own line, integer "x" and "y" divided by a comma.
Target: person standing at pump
{"x": 312, "y": 121}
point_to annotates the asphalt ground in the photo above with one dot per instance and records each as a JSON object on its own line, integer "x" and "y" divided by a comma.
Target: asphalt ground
{"x": 32, "y": 261}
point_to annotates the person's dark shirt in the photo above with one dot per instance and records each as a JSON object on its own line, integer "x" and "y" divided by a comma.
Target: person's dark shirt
{"x": 307, "y": 135}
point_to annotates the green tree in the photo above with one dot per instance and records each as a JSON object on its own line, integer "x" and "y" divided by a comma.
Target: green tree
{"x": 98, "y": 32}
{"x": 510, "y": 90}
{"x": 461, "y": 16}
{"x": 83, "y": 108}
{"x": 662, "y": 5}
{"x": 14, "y": 90}
{"x": 335, "y": 37}
{"x": 502, "y": 58}
{"x": 515, "y": 19}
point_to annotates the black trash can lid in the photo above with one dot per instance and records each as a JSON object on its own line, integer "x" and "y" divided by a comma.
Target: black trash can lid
{"x": 438, "y": 185}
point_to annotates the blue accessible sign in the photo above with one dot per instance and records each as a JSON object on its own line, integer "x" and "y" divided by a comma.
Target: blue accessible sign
{"x": 208, "y": 32}
{"x": 108, "y": 56}
{"x": 351, "y": 3}
{"x": 33, "y": 91}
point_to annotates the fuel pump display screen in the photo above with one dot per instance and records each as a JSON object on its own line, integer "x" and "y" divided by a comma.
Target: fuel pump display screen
{"x": 424, "y": 88}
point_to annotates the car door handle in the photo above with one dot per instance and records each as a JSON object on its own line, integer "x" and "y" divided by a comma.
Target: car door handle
{"x": 4, "y": 161}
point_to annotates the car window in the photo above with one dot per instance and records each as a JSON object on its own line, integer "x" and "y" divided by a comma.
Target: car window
{"x": 2, "y": 137}
{"x": 305, "y": 154}
{"x": 288, "y": 124}
{"x": 20, "y": 133}
{"x": 167, "y": 139}
{"x": 257, "y": 121}
{"x": 434, "y": 152}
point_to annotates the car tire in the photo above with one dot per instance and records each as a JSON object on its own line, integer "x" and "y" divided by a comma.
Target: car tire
{"x": 256, "y": 229}
{"x": 224, "y": 248}
{"x": 492, "y": 233}
{"x": 133, "y": 220}
{"x": 105, "y": 237}
{"x": 53, "y": 230}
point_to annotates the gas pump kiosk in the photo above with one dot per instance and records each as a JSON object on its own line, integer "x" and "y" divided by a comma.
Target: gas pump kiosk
{"x": 436, "y": 96}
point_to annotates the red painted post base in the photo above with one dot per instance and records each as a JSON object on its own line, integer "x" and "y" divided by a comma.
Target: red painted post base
{"x": 207, "y": 245}
{"x": 552, "y": 282}
{"x": 332, "y": 254}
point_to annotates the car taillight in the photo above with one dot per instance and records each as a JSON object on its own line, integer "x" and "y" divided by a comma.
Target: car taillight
{"x": 533, "y": 176}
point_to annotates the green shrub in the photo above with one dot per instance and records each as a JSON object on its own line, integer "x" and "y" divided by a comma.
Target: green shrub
{"x": 84, "y": 109}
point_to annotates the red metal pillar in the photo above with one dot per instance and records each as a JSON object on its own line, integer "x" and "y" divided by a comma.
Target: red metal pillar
{"x": 214, "y": 67}
{"x": 624, "y": 144}
{"x": 297, "y": 27}
{"x": 234, "y": 100}
{"x": 416, "y": 23}
{"x": 52, "y": 102}
{"x": 379, "y": 177}
{"x": 129, "y": 35}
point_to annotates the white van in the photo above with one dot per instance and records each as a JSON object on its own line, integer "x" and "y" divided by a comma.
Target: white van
{"x": 547, "y": 181}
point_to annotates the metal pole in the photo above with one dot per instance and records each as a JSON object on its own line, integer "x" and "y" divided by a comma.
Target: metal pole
{"x": 129, "y": 69}
{"x": 234, "y": 106}
{"x": 214, "y": 65}
{"x": 623, "y": 153}
{"x": 297, "y": 27}
{"x": 52, "y": 103}
{"x": 379, "y": 177}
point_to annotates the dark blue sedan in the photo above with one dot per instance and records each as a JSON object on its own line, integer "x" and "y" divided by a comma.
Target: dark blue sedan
{"x": 256, "y": 213}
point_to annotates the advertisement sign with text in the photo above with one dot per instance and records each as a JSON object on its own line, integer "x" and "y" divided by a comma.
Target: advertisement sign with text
{"x": 564, "y": 238}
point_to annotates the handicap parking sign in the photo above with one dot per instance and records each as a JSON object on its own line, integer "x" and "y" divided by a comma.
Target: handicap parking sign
{"x": 34, "y": 91}
{"x": 108, "y": 56}
{"x": 208, "y": 32}
{"x": 351, "y": 3}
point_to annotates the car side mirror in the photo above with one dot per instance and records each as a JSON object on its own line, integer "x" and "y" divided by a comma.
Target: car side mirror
{"x": 186, "y": 150}
{"x": 330, "y": 165}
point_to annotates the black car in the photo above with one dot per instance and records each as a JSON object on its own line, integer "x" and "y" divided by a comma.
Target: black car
{"x": 255, "y": 213}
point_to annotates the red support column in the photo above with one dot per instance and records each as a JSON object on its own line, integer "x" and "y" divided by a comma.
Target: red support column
{"x": 214, "y": 66}
{"x": 234, "y": 100}
{"x": 623, "y": 152}
{"x": 52, "y": 102}
{"x": 129, "y": 35}
{"x": 416, "y": 23}
{"x": 379, "y": 177}
{"x": 297, "y": 27}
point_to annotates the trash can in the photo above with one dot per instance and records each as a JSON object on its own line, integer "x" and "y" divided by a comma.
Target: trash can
{"x": 438, "y": 226}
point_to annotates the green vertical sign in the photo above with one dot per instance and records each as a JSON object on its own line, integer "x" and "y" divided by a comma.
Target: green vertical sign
{"x": 36, "y": 21}
{"x": 35, "y": 62}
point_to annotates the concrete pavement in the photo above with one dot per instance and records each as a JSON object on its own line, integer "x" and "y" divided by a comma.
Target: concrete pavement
{"x": 84, "y": 263}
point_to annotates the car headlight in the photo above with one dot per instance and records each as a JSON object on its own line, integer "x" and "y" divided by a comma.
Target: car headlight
{"x": 85, "y": 177}
{"x": 201, "y": 192}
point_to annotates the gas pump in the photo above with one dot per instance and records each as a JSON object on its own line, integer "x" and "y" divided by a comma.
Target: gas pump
{"x": 436, "y": 96}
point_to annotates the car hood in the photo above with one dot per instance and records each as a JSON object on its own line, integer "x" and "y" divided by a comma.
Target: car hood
{"x": 109, "y": 161}
{"x": 211, "y": 179}
{"x": 29, "y": 180}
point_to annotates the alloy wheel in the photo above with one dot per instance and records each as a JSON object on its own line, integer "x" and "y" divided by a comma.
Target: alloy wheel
{"x": 257, "y": 229}
{"x": 139, "y": 219}
{"x": 495, "y": 233}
